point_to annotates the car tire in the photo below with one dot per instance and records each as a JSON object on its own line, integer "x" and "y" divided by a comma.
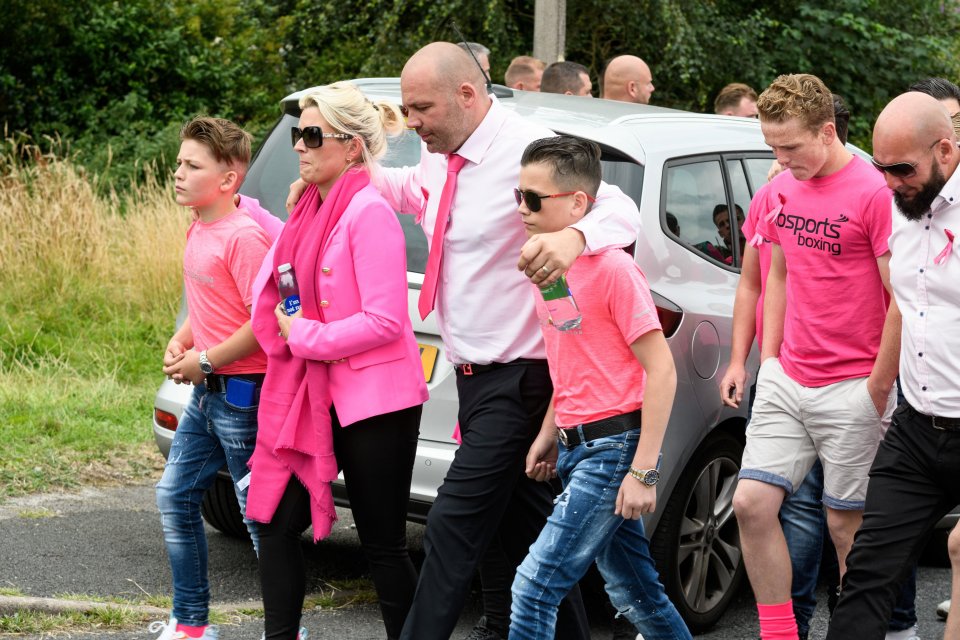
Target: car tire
{"x": 697, "y": 542}
{"x": 222, "y": 511}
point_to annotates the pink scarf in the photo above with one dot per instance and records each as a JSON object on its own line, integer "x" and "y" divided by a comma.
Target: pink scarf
{"x": 295, "y": 433}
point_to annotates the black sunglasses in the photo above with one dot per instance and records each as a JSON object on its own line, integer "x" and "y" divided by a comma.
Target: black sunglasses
{"x": 313, "y": 136}
{"x": 535, "y": 200}
{"x": 902, "y": 170}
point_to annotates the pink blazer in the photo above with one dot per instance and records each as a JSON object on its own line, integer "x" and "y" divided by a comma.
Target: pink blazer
{"x": 363, "y": 289}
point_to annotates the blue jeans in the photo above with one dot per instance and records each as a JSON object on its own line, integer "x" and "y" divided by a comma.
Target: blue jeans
{"x": 582, "y": 528}
{"x": 211, "y": 433}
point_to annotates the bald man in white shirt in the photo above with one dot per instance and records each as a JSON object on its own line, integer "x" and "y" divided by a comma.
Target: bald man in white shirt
{"x": 914, "y": 478}
{"x": 488, "y": 322}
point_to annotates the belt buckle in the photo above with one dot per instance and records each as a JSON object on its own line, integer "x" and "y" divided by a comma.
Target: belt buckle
{"x": 467, "y": 369}
{"x": 938, "y": 427}
{"x": 562, "y": 434}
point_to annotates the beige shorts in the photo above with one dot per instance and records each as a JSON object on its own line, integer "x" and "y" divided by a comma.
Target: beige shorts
{"x": 792, "y": 425}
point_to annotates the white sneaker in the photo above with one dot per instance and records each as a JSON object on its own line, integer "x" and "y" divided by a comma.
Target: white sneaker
{"x": 169, "y": 631}
{"x": 943, "y": 609}
{"x": 906, "y": 634}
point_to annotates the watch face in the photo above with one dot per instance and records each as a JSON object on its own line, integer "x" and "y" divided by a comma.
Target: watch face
{"x": 651, "y": 477}
{"x": 206, "y": 367}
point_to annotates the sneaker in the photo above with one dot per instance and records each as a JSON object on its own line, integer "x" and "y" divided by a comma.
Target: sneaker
{"x": 943, "y": 609}
{"x": 169, "y": 631}
{"x": 906, "y": 634}
{"x": 481, "y": 632}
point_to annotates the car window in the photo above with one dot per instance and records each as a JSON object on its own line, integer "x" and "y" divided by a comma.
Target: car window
{"x": 275, "y": 167}
{"x": 757, "y": 170}
{"x": 695, "y": 209}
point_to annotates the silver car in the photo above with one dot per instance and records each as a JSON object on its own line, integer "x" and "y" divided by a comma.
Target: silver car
{"x": 682, "y": 169}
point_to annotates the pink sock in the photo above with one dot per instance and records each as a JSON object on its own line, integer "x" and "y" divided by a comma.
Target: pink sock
{"x": 777, "y": 621}
{"x": 192, "y": 632}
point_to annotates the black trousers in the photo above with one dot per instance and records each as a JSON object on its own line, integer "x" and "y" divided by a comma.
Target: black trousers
{"x": 913, "y": 483}
{"x": 486, "y": 494}
{"x": 376, "y": 456}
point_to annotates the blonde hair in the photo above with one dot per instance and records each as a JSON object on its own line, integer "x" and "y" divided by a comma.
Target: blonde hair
{"x": 800, "y": 95}
{"x": 347, "y": 110}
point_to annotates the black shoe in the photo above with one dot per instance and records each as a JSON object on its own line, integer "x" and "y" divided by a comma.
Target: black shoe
{"x": 481, "y": 632}
{"x": 622, "y": 629}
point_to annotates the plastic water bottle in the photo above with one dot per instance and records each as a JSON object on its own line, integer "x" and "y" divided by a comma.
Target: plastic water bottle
{"x": 563, "y": 310}
{"x": 289, "y": 291}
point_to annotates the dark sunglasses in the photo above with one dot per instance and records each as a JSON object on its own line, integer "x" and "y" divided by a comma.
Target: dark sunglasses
{"x": 902, "y": 170}
{"x": 535, "y": 200}
{"x": 313, "y": 136}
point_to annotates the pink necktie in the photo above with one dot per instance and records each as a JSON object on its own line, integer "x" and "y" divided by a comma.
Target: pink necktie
{"x": 428, "y": 292}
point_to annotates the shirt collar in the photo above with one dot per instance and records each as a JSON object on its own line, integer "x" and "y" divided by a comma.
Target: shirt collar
{"x": 950, "y": 193}
{"x": 474, "y": 148}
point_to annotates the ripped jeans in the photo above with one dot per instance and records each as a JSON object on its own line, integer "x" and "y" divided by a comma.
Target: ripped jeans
{"x": 211, "y": 432}
{"x": 583, "y": 528}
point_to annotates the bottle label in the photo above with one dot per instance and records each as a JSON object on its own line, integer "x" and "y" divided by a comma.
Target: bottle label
{"x": 291, "y": 304}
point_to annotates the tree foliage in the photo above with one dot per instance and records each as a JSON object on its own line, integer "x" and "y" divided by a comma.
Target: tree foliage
{"x": 117, "y": 79}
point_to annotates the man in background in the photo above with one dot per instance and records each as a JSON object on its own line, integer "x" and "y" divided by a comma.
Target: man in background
{"x": 569, "y": 78}
{"x": 524, "y": 73}
{"x": 627, "y": 79}
{"x": 736, "y": 99}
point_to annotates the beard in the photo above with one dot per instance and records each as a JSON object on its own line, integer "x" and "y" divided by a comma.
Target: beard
{"x": 914, "y": 208}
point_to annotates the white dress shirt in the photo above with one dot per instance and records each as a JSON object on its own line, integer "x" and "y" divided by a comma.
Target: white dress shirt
{"x": 485, "y": 309}
{"x": 928, "y": 295}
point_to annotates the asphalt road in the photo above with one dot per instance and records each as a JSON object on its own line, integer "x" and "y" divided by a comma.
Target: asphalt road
{"x": 108, "y": 543}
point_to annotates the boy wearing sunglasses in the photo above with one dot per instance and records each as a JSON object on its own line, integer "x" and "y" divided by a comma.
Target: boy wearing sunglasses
{"x": 609, "y": 448}
{"x": 215, "y": 350}
{"x": 824, "y": 389}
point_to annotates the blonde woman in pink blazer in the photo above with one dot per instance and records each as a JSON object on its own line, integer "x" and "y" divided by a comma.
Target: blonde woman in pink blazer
{"x": 344, "y": 385}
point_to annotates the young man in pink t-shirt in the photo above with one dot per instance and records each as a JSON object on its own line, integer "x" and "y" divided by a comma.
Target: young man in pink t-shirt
{"x": 604, "y": 369}
{"x": 215, "y": 350}
{"x": 825, "y": 386}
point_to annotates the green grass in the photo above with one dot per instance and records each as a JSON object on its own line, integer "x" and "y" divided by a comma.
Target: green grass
{"x": 107, "y": 619}
{"x": 89, "y": 288}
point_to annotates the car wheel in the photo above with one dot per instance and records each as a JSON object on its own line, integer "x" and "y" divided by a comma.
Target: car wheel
{"x": 697, "y": 543}
{"x": 222, "y": 511}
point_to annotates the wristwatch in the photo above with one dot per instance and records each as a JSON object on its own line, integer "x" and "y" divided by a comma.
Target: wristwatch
{"x": 205, "y": 365}
{"x": 649, "y": 477}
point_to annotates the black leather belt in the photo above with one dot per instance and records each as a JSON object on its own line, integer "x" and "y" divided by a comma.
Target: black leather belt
{"x": 611, "y": 426}
{"x": 941, "y": 424}
{"x": 217, "y": 383}
{"x": 469, "y": 369}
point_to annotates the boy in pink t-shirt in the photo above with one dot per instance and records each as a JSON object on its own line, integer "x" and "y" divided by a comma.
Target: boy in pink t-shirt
{"x": 604, "y": 369}
{"x": 215, "y": 350}
{"x": 825, "y": 382}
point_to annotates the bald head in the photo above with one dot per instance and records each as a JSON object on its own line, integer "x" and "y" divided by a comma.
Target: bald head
{"x": 911, "y": 121}
{"x": 914, "y": 142}
{"x": 444, "y": 94}
{"x": 628, "y": 79}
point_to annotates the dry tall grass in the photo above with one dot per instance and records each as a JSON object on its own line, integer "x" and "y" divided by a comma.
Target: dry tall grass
{"x": 59, "y": 235}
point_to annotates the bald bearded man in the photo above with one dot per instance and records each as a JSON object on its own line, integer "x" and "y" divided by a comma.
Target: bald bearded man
{"x": 913, "y": 480}
{"x": 628, "y": 79}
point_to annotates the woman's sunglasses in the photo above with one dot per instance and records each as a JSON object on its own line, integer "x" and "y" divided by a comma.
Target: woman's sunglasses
{"x": 535, "y": 200}
{"x": 313, "y": 136}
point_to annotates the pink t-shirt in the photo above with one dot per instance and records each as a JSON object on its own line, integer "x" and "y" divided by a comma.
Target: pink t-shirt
{"x": 220, "y": 262}
{"x": 595, "y": 374}
{"x": 759, "y": 206}
{"x": 832, "y": 229}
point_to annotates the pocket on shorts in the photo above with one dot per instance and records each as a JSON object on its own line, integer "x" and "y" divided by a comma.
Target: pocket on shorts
{"x": 866, "y": 402}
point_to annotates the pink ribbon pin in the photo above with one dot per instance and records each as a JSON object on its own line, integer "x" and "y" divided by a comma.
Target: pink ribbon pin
{"x": 771, "y": 216}
{"x": 947, "y": 250}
